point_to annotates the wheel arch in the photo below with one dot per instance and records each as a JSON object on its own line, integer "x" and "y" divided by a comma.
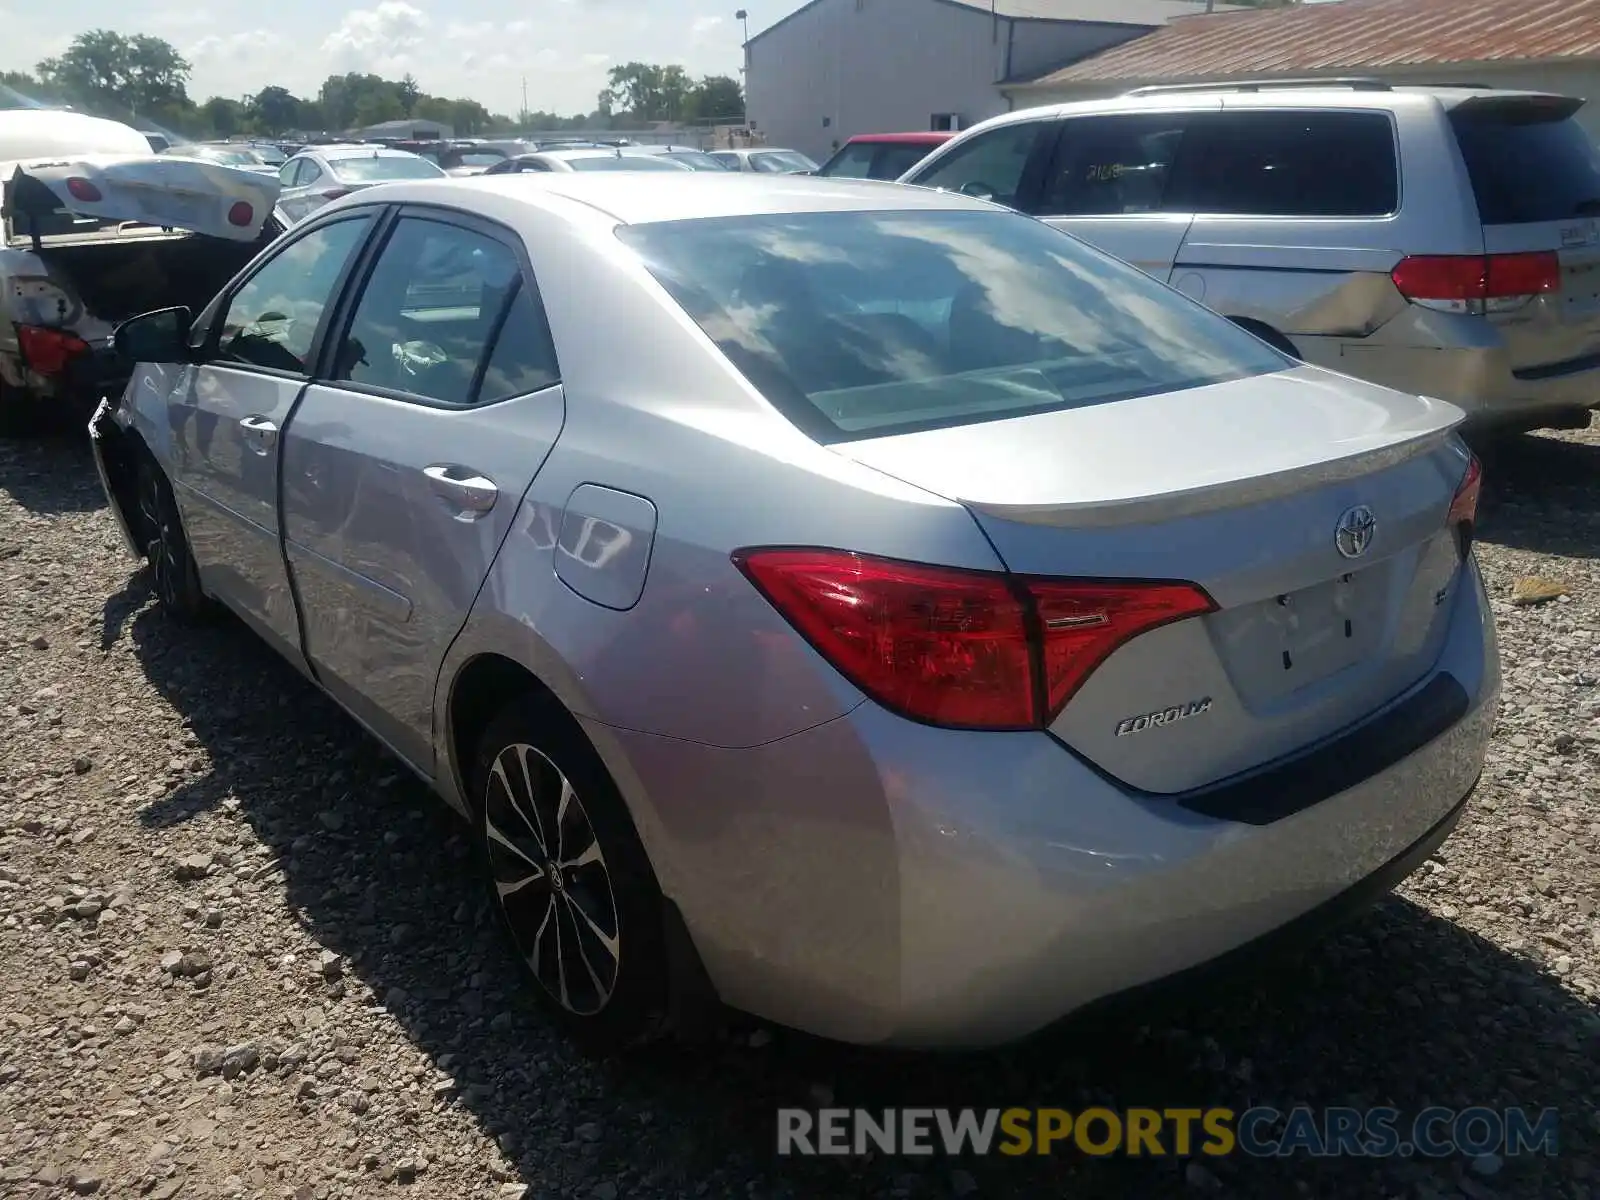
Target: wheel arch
{"x": 1274, "y": 338}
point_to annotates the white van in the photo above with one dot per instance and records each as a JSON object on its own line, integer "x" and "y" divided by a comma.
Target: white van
{"x": 94, "y": 228}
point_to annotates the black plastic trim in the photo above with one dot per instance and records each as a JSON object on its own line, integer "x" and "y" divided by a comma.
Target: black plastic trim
{"x": 1287, "y": 787}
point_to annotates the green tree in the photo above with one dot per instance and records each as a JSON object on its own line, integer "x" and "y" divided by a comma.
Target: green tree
{"x": 646, "y": 91}
{"x": 139, "y": 75}
{"x": 715, "y": 100}
{"x": 409, "y": 93}
{"x": 275, "y": 110}
{"x": 226, "y": 117}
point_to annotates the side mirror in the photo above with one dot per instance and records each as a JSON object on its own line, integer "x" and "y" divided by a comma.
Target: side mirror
{"x": 160, "y": 337}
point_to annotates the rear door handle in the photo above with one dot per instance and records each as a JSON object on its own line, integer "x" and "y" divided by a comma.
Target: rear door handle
{"x": 465, "y": 490}
{"x": 259, "y": 433}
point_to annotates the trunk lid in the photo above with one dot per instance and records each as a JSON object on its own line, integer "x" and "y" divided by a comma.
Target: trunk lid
{"x": 1536, "y": 177}
{"x": 1241, "y": 488}
{"x": 157, "y": 190}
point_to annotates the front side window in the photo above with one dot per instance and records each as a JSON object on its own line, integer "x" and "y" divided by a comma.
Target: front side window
{"x": 990, "y": 166}
{"x": 272, "y": 319}
{"x": 862, "y": 324}
{"x": 1287, "y": 164}
{"x": 1111, "y": 166}
{"x": 438, "y": 299}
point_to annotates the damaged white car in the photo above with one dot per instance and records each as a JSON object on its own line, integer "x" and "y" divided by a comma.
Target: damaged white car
{"x": 95, "y": 228}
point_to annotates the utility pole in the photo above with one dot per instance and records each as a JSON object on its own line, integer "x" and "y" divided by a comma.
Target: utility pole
{"x": 524, "y": 120}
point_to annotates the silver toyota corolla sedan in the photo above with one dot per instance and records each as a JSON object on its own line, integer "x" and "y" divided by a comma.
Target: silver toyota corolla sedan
{"x": 861, "y": 605}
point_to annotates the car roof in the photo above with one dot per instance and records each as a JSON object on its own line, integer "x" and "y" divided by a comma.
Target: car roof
{"x": 363, "y": 151}
{"x": 634, "y": 199}
{"x": 922, "y": 138}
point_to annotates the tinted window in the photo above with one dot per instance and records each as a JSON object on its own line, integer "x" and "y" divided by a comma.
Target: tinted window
{"x": 481, "y": 158}
{"x": 376, "y": 167}
{"x": 868, "y": 323}
{"x": 309, "y": 173}
{"x": 626, "y": 162}
{"x": 524, "y": 356}
{"x": 990, "y": 166}
{"x": 438, "y": 296}
{"x": 780, "y": 163}
{"x": 854, "y": 161}
{"x": 1526, "y": 167}
{"x": 1287, "y": 164}
{"x": 272, "y": 319}
{"x": 1106, "y": 166}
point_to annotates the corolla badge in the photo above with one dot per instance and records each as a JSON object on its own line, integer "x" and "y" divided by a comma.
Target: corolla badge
{"x": 1165, "y": 716}
{"x": 1355, "y": 531}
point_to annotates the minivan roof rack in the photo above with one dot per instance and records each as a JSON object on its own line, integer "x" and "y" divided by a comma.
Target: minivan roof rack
{"x": 1354, "y": 82}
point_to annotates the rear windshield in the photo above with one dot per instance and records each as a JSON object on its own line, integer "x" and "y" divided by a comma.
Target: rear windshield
{"x": 861, "y": 324}
{"x": 780, "y": 161}
{"x": 1525, "y": 166}
{"x": 371, "y": 168}
{"x": 625, "y": 162}
{"x": 875, "y": 160}
{"x": 695, "y": 160}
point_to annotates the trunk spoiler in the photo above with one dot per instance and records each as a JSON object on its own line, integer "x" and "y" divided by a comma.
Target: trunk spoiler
{"x": 169, "y": 192}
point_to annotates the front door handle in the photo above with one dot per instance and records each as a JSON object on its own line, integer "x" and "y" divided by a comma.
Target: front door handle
{"x": 463, "y": 489}
{"x": 259, "y": 433}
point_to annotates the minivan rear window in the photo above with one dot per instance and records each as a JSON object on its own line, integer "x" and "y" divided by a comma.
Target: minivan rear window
{"x": 863, "y": 324}
{"x": 1528, "y": 163}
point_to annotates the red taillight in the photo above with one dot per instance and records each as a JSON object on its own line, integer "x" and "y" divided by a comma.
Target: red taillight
{"x": 967, "y": 649}
{"x": 48, "y": 351}
{"x": 241, "y": 214}
{"x": 1463, "y": 516}
{"x": 1468, "y": 282}
{"x": 83, "y": 189}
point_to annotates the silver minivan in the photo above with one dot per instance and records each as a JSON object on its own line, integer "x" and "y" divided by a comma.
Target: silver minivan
{"x": 1438, "y": 240}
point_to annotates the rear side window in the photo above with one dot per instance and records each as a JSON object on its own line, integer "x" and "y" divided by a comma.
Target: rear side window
{"x": 1528, "y": 164}
{"x": 990, "y": 166}
{"x": 1287, "y": 164}
{"x": 1107, "y": 166}
{"x": 446, "y": 316}
{"x": 863, "y": 324}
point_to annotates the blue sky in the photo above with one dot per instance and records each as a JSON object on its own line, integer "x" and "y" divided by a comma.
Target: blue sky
{"x": 473, "y": 48}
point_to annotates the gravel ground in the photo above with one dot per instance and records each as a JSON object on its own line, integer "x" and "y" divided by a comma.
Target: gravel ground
{"x": 242, "y": 954}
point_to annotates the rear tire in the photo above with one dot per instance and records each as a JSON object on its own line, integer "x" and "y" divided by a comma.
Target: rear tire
{"x": 569, "y": 881}
{"x": 173, "y": 574}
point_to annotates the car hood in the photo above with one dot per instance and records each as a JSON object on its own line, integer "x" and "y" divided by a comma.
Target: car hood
{"x": 180, "y": 193}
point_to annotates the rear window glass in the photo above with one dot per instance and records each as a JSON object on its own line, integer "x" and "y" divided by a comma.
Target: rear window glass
{"x": 874, "y": 160}
{"x": 1286, "y": 164}
{"x": 626, "y": 162}
{"x": 1526, "y": 167}
{"x": 870, "y": 323}
{"x": 370, "y": 169}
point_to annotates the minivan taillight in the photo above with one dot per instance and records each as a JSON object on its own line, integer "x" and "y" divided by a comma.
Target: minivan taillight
{"x": 1463, "y": 516}
{"x": 48, "y": 351}
{"x": 1477, "y": 283}
{"x": 960, "y": 648}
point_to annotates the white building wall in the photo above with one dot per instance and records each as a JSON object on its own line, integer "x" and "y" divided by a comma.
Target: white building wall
{"x": 842, "y": 67}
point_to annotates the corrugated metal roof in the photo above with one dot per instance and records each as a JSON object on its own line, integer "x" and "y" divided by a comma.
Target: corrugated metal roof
{"x": 1348, "y": 34}
{"x": 1109, "y": 12}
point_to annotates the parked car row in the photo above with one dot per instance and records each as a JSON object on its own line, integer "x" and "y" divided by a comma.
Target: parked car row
{"x": 703, "y": 537}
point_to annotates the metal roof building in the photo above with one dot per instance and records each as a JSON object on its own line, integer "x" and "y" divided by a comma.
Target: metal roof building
{"x": 1541, "y": 45}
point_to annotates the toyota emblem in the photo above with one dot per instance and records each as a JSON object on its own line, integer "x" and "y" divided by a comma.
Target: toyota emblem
{"x": 1355, "y": 531}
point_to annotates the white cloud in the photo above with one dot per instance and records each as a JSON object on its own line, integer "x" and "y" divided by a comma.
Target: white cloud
{"x": 378, "y": 39}
{"x": 248, "y": 46}
{"x": 469, "y": 31}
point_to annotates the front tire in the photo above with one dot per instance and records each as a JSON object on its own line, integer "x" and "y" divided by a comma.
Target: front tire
{"x": 569, "y": 881}
{"x": 173, "y": 574}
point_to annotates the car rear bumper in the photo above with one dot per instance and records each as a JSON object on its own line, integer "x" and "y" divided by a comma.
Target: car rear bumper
{"x": 1477, "y": 375}
{"x": 879, "y": 881}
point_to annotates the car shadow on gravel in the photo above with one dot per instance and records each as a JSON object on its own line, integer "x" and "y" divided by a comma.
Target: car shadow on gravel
{"x": 1541, "y": 494}
{"x": 52, "y": 474}
{"x": 1398, "y": 1008}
